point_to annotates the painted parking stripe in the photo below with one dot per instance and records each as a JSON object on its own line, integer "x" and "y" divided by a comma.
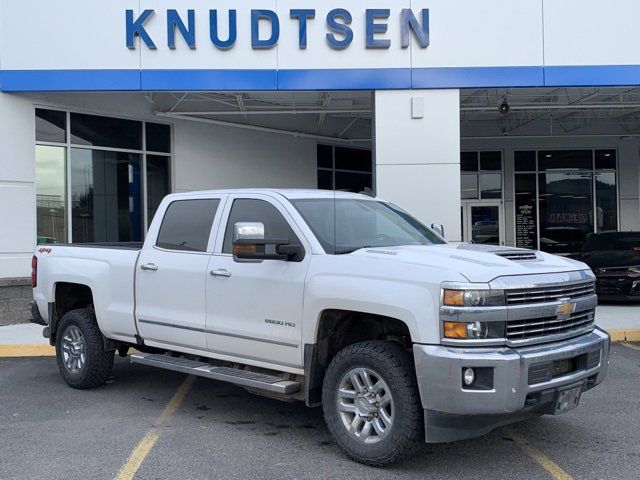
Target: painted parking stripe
{"x": 142, "y": 450}
{"x": 545, "y": 462}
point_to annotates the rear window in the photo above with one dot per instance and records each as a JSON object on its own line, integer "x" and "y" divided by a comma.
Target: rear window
{"x": 186, "y": 225}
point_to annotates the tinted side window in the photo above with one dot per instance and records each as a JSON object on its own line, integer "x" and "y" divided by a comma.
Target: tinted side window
{"x": 250, "y": 210}
{"x": 187, "y": 225}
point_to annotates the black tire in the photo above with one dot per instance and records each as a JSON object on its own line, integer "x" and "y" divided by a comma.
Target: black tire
{"x": 97, "y": 364}
{"x": 392, "y": 363}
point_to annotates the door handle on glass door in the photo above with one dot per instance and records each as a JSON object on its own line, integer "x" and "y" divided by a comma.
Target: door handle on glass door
{"x": 220, "y": 273}
{"x": 149, "y": 266}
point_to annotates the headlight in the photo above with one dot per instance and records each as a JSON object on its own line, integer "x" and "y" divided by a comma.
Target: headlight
{"x": 473, "y": 298}
{"x": 634, "y": 270}
{"x": 473, "y": 330}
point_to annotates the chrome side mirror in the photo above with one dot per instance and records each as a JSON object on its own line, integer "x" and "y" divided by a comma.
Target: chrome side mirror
{"x": 249, "y": 243}
{"x": 438, "y": 228}
{"x": 248, "y": 231}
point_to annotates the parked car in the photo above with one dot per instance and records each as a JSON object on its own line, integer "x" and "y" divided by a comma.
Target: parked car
{"x": 335, "y": 299}
{"x": 615, "y": 259}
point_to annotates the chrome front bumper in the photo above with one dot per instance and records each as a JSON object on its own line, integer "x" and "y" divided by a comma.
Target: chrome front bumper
{"x": 523, "y": 384}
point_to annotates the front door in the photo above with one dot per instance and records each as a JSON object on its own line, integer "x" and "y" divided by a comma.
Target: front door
{"x": 170, "y": 281}
{"x": 254, "y": 308}
{"x": 483, "y": 222}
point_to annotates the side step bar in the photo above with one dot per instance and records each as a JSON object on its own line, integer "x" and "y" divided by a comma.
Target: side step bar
{"x": 243, "y": 378}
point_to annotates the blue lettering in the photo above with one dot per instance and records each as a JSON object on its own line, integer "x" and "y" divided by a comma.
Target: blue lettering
{"x": 233, "y": 30}
{"x": 135, "y": 28}
{"x": 339, "y": 28}
{"x": 302, "y": 15}
{"x": 409, "y": 23}
{"x": 188, "y": 33}
{"x": 271, "y": 17}
{"x": 373, "y": 27}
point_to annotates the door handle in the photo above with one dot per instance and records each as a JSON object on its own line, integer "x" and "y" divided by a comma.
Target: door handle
{"x": 149, "y": 266}
{"x": 220, "y": 273}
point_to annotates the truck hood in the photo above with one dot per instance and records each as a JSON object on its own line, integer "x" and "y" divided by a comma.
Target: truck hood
{"x": 478, "y": 263}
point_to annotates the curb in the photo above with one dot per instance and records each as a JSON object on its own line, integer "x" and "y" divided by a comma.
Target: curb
{"x": 629, "y": 335}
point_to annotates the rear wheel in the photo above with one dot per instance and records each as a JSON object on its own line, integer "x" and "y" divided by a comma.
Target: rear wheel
{"x": 80, "y": 353}
{"x": 371, "y": 403}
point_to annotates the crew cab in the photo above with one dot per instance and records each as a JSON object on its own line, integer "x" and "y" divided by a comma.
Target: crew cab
{"x": 339, "y": 300}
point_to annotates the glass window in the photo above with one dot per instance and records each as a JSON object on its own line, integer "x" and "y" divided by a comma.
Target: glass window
{"x": 105, "y": 132}
{"x": 490, "y": 185}
{"x": 606, "y": 201}
{"x": 345, "y": 225}
{"x": 469, "y": 186}
{"x": 106, "y": 194}
{"x": 525, "y": 161}
{"x": 157, "y": 183}
{"x": 158, "y": 137}
{"x": 526, "y": 211}
{"x": 50, "y": 194}
{"x": 605, "y": 159}
{"x": 186, "y": 225}
{"x": 353, "y": 159}
{"x": 491, "y": 161}
{"x": 325, "y": 156}
{"x": 325, "y": 179}
{"x": 253, "y": 210}
{"x": 566, "y": 211}
{"x": 51, "y": 126}
{"x": 352, "y": 182}
{"x": 565, "y": 160}
{"x": 469, "y": 161}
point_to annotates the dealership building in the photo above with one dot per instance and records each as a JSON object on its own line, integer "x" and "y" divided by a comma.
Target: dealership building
{"x": 508, "y": 122}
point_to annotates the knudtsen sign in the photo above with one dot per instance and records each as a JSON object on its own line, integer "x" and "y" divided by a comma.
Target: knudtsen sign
{"x": 265, "y": 28}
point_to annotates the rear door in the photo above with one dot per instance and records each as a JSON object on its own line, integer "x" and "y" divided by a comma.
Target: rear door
{"x": 254, "y": 308}
{"x": 170, "y": 281}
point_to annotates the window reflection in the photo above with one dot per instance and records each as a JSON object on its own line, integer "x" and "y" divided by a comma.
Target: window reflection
{"x": 106, "y": 196}
{"x": 50, "y": 194}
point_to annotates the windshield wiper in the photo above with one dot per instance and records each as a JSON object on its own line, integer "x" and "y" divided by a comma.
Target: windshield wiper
{"x": 345, "y": 251}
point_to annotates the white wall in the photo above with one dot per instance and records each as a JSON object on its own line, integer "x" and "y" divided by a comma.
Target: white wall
{"x": 17, "y": 189}
{"x": 205, "y": 157}
{"x": 418, "y": 160}
{"x": 628, "y": 170}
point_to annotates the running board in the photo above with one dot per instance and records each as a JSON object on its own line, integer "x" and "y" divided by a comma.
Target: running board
{"x": 243, "y": 378}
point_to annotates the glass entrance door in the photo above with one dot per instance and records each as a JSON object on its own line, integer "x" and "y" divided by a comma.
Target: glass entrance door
{"x": 483, "y": 222}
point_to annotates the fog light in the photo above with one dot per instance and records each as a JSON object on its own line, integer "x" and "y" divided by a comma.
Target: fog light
{"x": 469, "y": 376}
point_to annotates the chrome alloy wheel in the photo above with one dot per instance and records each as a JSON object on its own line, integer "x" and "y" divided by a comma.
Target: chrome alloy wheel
{"x": 73, "y": 349}
{"x": 365, "y": 405}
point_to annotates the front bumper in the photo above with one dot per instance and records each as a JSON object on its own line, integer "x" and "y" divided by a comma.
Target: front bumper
{"x": 523, "y": 382}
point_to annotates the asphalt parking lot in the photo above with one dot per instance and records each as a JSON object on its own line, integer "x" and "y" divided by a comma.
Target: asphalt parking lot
{"x": 214, "y": 430}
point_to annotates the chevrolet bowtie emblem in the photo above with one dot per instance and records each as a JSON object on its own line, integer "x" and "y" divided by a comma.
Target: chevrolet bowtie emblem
{"x": 565, "y": 309}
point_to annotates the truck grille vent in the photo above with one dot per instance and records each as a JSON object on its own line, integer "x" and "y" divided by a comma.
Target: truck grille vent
{"x": 540, "y": 327}
{"x": 518, "y": 256}
{"x": 549, "y": 294}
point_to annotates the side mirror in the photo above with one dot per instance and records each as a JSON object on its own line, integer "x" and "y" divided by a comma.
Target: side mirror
{"x": 249, "y": 243}
{"x": 438, "y": 228}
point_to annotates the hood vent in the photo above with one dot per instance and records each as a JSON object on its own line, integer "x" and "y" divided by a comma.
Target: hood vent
{"x": 518, "y": 255}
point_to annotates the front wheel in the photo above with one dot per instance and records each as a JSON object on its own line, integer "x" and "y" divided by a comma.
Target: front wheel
{"x": 371, "y": 402}
{"x": 80, "y": 353}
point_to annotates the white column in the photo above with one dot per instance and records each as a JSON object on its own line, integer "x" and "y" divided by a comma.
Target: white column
{"x": 17, "y": 186}
{"x": 418, "y": 154}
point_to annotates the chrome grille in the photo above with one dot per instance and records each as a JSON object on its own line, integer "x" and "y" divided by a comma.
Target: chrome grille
{"x": 540, "y": 327}
{"x": 518, "y": 256}
{"x": 549, "y": 294}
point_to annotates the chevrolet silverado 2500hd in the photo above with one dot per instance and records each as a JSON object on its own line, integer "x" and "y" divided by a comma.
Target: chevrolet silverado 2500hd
{"x": 335, "y": 299}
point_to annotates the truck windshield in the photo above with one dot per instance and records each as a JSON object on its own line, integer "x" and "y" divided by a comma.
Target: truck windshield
{"x": 346, "y": 225}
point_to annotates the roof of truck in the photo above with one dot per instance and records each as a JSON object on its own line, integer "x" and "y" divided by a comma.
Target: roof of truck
{"x": 290, "y": 193}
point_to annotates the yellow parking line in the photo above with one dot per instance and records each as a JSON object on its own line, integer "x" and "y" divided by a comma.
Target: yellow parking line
{"x": 545, "y": 462}
{"x": 630, "y": 345}
{"x": 27, "y": 350}
{"x": 142, "y": 450}
{"x": 627, "y": 335}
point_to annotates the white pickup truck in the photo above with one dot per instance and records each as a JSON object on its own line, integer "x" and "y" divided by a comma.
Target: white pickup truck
{"x": 335, "y": 299}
